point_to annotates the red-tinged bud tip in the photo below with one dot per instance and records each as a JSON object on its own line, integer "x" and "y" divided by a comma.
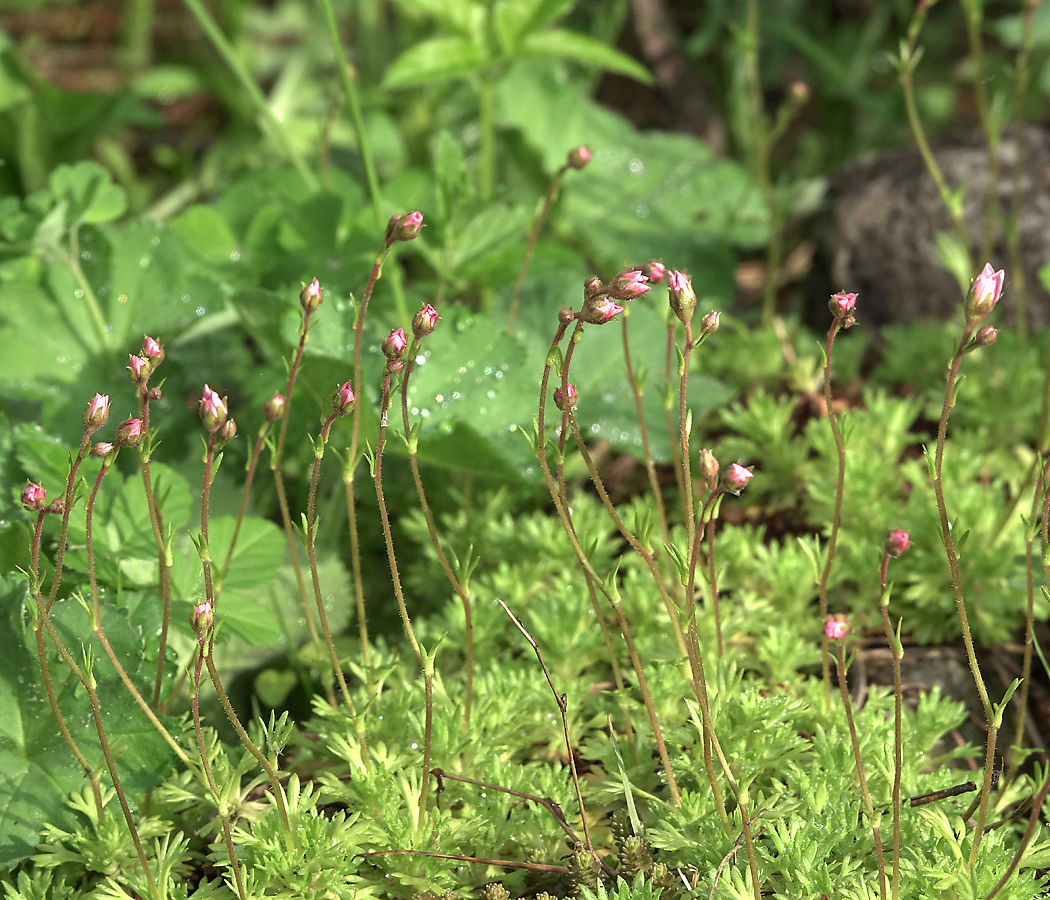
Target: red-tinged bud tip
{"x": 710, "y": 323}
{"x": 395, "y": 345}
{"x": 404, "y": 227}
{"x": 836, "y": 627}
{"x": 579, "y": 158}
{"x": 897, "y": 542}
{"x": 985, "y": 292}
{"x": 203, "y": 617}
{"x": 735, "y": 478}
{"x": 343, "y": 399}
{"x": 681, "y": 296}
{"x": 96, "y": 413}
{"x": 655, "y": 271}
{"x": 424, "y": 322}
{"x": 102, "y": 449}
{"x": 311, "y": 297}
{"x": 842, "y": 304}
{"x": 129, "y": 433}
{"x": 273, "y": 409}
{"x": 708, "y": 464}
{"x": 153, "y": 351}
{"x": 33, "y": 497}
{"x": 139, "y": 369}
{"x": 227, "y": 431}
{"x": 628, "y": 285}
{"x": 566, "y": 399}
{"x": 212, "y": 409}
{"x": 600, "y": 311}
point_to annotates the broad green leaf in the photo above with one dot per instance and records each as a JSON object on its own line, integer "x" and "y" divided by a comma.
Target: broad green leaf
{"x": 434, "y": 59}
{"x": 513, "y": 20}
{"x": 257, "y": 557}
{"x": 583, "y": 49}
{"x": 89, "y": 192}
{"x": 206, "y": 233}
{"x": 462, "y": 17}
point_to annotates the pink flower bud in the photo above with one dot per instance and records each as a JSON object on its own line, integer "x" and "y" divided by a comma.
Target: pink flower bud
{"x": 33, "y": 497}
{"x": 153, "y": 351}
{"x": 654, "y": 270}
{"x": 986, "y": 336}
{"x": 154, "y": 393}
{"x": 984, "y": 294}
{"x": 897, "y": 542}
{"x": 592, "y": 288}
{"x": 96, "y": 413}
{"x": 273, "y": 409}
{"x": 842, "y": 304}
{"x": 203, "y": 617}
{"x": 710, "y": 323}
{"x": 212, "y": 409}
{"x": 836, "y": 627}
{"x": 681, "y": 296}
{"x": 579, "y": 158}
{"x": 310, "y": 297}
{"x": 395, "y": 345}
{"x": 129, "y": 433}
{"x": 425, "y": 322}
{"x": 735, "y": 478}
{"x": 343, "y": 399}
{"x": 404, "y": 227}
{"x": 102, "y": 449}
{"x": 139, "y": 369}
{"x": 565, "y": 400}
{"x": 628, "y": 285}
{"x": 600, "y": 311}
{"x": 708, "y": 464}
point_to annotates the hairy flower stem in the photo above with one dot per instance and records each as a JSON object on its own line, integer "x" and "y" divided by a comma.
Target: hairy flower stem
{"x": 97, "y": 625}
{"x": 311, "y": 554}
{"x": 350, "y": 467}
{"x": 164, "y": 560}
{"x": 897, "y": 652}
{"x": 67, "y": 508}
{"x": 425, "y": 664}
{"x": 960, "y": 602}
{"x": 412, "y": 444}
{"x": 530, "y": 247}
{"x": 563, "y": 710}
{"x": 278, "y": 477}
{"x": 202, "y": 750}
{"x": 836, "y": 520}
{"x": 88, "y": 681}
{"x": 847, "y": 704}
{"x": 684, "y": 421}
{"x": 271, "y": 771}
{"x": 676, "y": 456}
{"x": 561, "y": 508}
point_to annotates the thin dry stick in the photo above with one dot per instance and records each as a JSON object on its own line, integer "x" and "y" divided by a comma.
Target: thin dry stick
{"x": 563, "y": 707}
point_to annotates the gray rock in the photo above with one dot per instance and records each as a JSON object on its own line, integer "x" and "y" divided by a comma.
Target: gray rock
{"x": 877, "y": 234}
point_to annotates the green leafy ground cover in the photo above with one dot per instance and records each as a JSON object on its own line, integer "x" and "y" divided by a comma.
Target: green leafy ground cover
{"x": 673, "y": 734}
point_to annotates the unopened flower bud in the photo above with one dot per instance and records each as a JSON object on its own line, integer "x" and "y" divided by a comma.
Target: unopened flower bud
{"x": 153, "y": 351}
{"x": 153, "y": 393}
{"x": 273, "y": 409}
{"x": 404, "y": 227}
{"x": 985, "y": 292}
{"x": 897, "y": 542}
{"x": 681, "y": 296}
{"x": 343, "y": 399}
{"x": 628, "y": 285}
{"x": 102, "y": 449}
{"x": 799, "y": 92}
{"x": 227, "y": 431}
{"x": 986, "y": 336}
{"x": 310, "y": 298}
{"x": 600, "y": 311}
{"x": 33, "y": 497}
{"x": 709, "y": 323}
{"x": 139, "y": 369}
{"x": 565, "y": 400}
{"x": 566, "y": 315}
{"x": 842, "y": 304}
{"x": 203, "y": 617}
{"x": 396, "y": 344}
{"x": 654, "y": 270}
{"x": 708, "y": 464}
{"x": 735, "y": 478}
{"x": 96, "y": 413}
{"x": 592, "y": 288}
{"x": 424, "y": 322}
{"x": 579, "y": 158}
{"x": 836, "y": 627}
{"x": 212, "y": 409}
{"x": 129, "y": 433}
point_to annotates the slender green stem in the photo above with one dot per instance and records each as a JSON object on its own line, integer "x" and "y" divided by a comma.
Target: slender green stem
{"x": 847, "y": 704}
{"x": 898, "y": 716}
{"x": 262, "y": 106}
{"x": 487, "y": 147}
{"x": 836, "y": 520}
{"x": 253, "y": 464}
{"x": 102, "y": 331}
